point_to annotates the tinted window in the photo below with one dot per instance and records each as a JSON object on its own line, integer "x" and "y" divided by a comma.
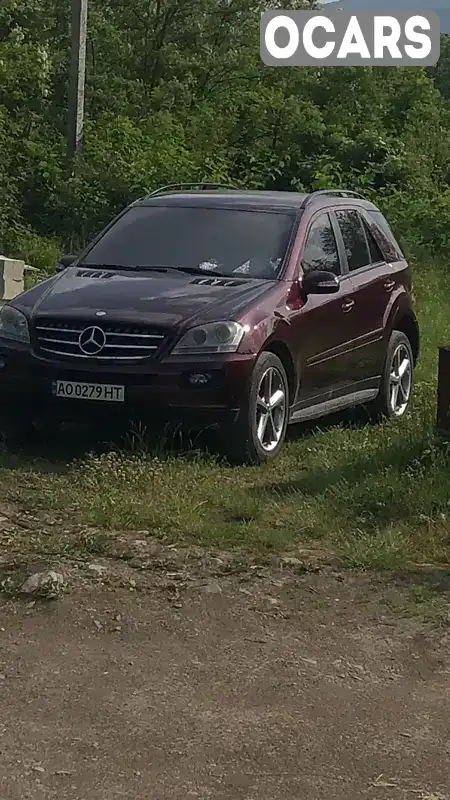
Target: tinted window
{"x": 391, "y": 243}
{"x": 354, "y": 238}
{"x": 375, "y": 253}
{"x": 230, "y": 241}
{"x": 321, "y": 249}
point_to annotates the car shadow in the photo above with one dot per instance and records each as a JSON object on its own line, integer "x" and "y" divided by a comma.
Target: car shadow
{"x": 53, "y": 451}
{"x": 315, "y": 481}
{"x": 352, "y": 418}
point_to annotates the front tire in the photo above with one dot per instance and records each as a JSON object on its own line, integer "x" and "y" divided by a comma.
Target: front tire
{"x": 257, "y": 435}
{"x": 397, "y": 379}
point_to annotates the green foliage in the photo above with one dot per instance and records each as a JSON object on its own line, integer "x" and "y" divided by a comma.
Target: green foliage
{"x": 176, "y": 91}
{"x": 425, "y": 218}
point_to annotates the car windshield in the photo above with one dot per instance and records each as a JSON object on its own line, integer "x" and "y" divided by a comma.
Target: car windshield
{"x": 221, "y": 241}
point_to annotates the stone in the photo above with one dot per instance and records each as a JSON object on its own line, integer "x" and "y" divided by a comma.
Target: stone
{"x": 47, "y": 583}
{"x": 97, "y": 569}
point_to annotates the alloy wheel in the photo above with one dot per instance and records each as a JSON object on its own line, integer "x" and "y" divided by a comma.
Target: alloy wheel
{"x": 400, "y": 380}
{"x": 271, "y": 409}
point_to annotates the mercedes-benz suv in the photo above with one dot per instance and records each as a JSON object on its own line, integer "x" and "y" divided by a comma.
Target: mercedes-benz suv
{"x": 244, "y": 309}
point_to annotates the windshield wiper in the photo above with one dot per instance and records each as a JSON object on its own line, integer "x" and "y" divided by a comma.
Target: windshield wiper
{"x": 131, "y": 267}
{"x": 155, "y": 268}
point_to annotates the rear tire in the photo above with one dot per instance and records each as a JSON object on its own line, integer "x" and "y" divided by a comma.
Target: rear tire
{"x": 397, "y": 380}
{"x": 258, "y": 433}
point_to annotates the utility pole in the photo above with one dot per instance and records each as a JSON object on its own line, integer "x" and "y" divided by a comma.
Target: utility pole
{"x": 77, "y": 79}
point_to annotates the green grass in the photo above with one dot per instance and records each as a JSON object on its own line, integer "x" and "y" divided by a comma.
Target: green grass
{"x": 379, "y": 497}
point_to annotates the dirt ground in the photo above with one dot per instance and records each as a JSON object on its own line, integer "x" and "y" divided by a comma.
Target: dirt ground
{"x": 318, "y": 686}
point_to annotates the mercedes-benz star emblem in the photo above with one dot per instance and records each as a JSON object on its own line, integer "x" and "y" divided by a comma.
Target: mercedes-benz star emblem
{"x": 91, "y": 341}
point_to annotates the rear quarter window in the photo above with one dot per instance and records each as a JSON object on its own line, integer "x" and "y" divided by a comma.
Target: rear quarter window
{"x": 391, "y": 245}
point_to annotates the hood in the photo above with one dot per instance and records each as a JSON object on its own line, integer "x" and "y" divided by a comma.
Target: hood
{"x": 161, "y": 298}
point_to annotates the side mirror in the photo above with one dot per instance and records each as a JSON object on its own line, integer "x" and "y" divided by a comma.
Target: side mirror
{"x": 320, "y": 282}
{"x": 64, "y": 262}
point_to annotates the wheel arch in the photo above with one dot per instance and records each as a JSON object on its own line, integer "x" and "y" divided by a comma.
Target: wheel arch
{"x": 407, "y": 323}
{"x": 281, "y": 349}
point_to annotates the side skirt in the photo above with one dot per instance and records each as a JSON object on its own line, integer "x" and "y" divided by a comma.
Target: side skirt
{"x": 333, "y": 405}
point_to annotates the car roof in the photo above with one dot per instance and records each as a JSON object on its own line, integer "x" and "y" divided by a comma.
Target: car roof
{"x": 257, "y": 200}
{"x": 283, "y": 201}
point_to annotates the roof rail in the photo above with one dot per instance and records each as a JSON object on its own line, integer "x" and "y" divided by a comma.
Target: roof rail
{"x": 332, "y": 193}
{"x": 203, "y": 187}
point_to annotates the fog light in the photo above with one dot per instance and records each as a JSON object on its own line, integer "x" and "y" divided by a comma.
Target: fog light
{"x": 199, "y": 379}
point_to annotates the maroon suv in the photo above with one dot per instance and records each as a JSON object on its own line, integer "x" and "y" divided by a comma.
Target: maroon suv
{"x": 249, "y": 310}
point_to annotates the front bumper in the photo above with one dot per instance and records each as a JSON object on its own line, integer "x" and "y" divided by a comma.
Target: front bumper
{"x": 156, "y": 387}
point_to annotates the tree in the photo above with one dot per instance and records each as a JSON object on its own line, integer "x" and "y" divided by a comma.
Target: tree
{"x": 176, "y": 91}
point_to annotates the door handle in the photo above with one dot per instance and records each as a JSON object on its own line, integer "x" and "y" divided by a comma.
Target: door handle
{"x": 347, "y": 306}
{"x": 389, "y": 285}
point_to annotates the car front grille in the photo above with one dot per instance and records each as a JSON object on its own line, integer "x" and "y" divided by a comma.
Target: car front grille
{"x": 120, "y": 342}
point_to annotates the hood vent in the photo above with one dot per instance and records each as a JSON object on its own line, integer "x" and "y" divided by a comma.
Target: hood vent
{"x": 217, "y": 282}
{"x": 93, "y": 273}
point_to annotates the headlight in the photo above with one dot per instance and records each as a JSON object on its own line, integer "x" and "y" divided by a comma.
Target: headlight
{"x": 215, "y": 337}
{"x": 14, "y": 325}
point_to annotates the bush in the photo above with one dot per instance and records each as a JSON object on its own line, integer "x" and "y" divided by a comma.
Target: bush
{"x": 38, "y": 251}
{"x": 423, "y": 220}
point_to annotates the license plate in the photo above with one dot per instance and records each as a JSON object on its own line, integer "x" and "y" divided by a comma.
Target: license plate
{"x": 106, "y": 392}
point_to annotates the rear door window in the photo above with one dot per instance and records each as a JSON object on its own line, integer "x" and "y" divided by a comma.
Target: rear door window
{"x": 354, "y": 238}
